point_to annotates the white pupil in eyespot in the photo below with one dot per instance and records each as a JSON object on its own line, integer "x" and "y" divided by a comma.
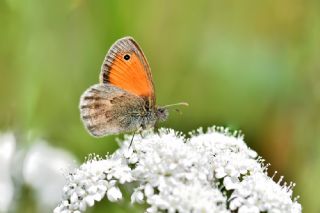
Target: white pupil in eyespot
{"x": 126, "y": 57}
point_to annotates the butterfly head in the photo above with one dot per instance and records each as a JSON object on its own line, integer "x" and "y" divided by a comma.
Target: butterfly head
{"x": 162, "y": 114}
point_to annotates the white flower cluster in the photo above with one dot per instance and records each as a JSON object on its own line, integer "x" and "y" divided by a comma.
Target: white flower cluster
{"x": 7, "y": 149}
{"x": 21, "y": 165}
{"x": 210, "y": 172}
{"x": 50, "y": 162}
{"x": 94, "y": 180}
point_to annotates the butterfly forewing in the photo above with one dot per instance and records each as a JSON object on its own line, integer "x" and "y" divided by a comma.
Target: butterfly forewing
{"x": 125, "y": 66}
{"x": 106, "y": 109}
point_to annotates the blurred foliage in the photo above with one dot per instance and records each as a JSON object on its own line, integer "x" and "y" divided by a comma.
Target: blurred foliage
{"x": 251, "y": 65}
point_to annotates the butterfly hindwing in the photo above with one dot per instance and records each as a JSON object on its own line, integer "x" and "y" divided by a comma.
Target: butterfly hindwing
{"x": 106, "y": 109}
{"x": 125, "y": 66}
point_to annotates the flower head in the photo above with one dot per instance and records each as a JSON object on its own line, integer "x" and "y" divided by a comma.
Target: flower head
{"x": 210, "y": 172}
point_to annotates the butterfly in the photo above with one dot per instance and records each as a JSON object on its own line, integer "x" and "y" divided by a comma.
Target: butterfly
{"x": 124, "y": 100}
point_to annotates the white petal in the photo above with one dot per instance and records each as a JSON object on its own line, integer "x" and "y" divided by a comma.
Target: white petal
{"x": 148, "y": 190}
{"x": 89, "y": 200}
{"x": 137, "y": 197}
{"x": 114, "y": 194}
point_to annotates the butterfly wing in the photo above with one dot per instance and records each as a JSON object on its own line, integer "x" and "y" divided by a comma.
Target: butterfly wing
{"x": 106, "y": 109}
{"x": 125, "y": 66}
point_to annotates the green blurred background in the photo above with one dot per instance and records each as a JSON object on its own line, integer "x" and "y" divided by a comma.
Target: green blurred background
{"x": 249, "y": 65}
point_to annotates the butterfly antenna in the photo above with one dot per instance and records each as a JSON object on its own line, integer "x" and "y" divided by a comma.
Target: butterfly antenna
{"x": 178, "y": 111}
{"x": 177, "y": 104}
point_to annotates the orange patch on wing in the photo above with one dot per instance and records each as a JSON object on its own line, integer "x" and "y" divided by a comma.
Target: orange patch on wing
{"x": 130, "y": 75}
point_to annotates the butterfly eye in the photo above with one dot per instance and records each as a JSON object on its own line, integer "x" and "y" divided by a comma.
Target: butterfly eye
{"x": 126, "y": 57}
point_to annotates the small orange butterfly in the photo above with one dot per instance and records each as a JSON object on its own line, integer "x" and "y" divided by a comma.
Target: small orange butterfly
{"x": 124, "y": 101}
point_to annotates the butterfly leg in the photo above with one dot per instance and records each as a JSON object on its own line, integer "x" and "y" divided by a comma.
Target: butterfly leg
{"x": 137, "y": 131}
{"x": 140, "y": 130}
{"x": 131, "y": 140}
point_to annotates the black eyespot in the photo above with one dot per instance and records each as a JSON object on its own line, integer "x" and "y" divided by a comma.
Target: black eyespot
{"x": 126, "y": 57}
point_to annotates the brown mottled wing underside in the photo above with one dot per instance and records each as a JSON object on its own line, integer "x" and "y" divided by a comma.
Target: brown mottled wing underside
{"x": 106, "y": 109}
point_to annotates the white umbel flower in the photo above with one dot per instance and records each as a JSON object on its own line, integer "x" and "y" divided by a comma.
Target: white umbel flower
{"x": 7, "y": 149}
{"x": 210, "y": 172}
{"x": 258, "y": 191}
{"x": 50, "y": 162}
